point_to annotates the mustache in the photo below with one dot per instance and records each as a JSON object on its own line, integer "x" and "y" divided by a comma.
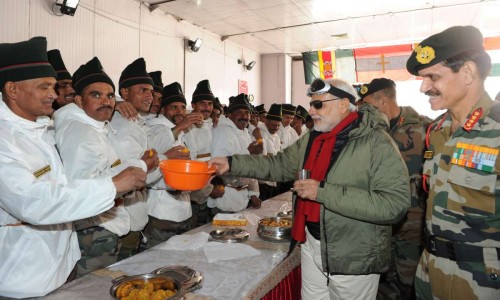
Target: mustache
{"x": 242, "y": 120}
{"x": 105, "y": 107}
{"x": 432, "y": 93}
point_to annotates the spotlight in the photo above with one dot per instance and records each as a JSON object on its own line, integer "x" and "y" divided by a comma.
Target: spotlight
{"x": 195, "y": 45}
{"x": 68, "y": 7}
{"x": 249, "y": 66}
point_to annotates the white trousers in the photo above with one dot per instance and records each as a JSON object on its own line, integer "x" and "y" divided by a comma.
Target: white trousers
{"x": 314, "y": 280}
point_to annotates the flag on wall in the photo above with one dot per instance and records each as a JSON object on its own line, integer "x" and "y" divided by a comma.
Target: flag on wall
{"x": 492, "y": 47}
{"x": 318, "y": 64}
{"x": 344, "y": 65}
{"x": 387, "y": 61}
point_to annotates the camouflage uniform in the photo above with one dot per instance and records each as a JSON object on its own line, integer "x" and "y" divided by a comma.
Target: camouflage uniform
{"x": 462, "y": 255}
{"x": 98, "y": 249}
{"x": 406, "y": 246}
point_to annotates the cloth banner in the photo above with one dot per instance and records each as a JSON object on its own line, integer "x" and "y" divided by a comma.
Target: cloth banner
{"x": 388, "y": 62}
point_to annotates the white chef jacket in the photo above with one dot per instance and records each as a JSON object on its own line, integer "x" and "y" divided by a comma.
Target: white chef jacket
{"x": 129, "y": 139}
{"x": 160, "y": 203}
{"x": 87, "y": 153}
{"x": 272, "y": 143}
{"x": 229, "y": 140}
{"x": 287, "y": 135}
{"x": 199, "y": 140}
{"x": 36, "y": 258}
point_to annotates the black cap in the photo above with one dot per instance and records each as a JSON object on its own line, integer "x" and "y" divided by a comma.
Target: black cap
{"x": 135, "y": 73}
{"x": 24, "y": 60}
{"x": 301, "y": 112}
{"x": 57, "y": 63}
{"x": 288, "y": 109}
{"x": 239, "y": 102}
{"x": 260, "y": 109}
{"x": 172, "y": 93}
{"x": 158, "y": 84}
{"x": 203, "y": 92}
{"x": 376, "y": 85}
{"x": 89, "y": 73}
{"x": 274, "y": 112}
{"x": 218, "y": 105}
{"x": 443, "y": 45}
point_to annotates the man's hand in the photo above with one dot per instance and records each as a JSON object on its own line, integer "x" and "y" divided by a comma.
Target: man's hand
{"x": 178, "y": 152}
{"x": 306, "y": 188}
{"x": 217, "y": 192}
{"x": 255, "y": 202}
{"x": 150, "y": 157}
{"x": 126, "y": 109}
{"x": 257, "y": 134}
{"x": 221, "y": 165}
{"x": 256, "y": 147}
{"x": 190, "y": 119}
{"x": 129, "y": 179}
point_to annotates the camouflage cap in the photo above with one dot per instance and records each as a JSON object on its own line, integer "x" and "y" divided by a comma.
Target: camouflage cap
{"x": 443, "y": 45}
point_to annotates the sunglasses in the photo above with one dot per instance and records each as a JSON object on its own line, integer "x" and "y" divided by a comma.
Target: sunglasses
{"x": 318, "y": 104}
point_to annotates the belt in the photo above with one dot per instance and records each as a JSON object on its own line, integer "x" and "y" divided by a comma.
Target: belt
{"x": 203, "y": 155}
{"x": 16, "y": 224}
{"x": 454, "y": 251}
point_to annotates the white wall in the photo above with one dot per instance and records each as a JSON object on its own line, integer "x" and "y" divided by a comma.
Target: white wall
{"x": 120, "y": 31}
{"x": 276, "y": 79}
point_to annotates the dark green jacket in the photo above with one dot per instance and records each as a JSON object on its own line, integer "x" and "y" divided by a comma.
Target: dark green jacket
{"x": 365, "y": 191}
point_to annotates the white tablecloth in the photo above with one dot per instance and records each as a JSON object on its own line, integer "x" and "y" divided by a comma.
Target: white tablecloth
{"x": 249, "y": 278}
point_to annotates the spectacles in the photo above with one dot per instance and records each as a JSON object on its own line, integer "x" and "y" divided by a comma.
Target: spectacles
{"x": 318, "y": 104}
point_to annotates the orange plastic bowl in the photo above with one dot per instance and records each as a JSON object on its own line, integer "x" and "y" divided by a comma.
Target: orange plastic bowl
{"x": 186, "y": 175}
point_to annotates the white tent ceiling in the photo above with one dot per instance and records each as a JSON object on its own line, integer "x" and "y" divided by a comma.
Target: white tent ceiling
{"x": 295, "y": 26}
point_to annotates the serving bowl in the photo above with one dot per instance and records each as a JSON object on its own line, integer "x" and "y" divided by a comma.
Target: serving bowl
{"x": 152, "y": 286}
{"x": 186, "y": 175}
{"x": 275, "y": 229}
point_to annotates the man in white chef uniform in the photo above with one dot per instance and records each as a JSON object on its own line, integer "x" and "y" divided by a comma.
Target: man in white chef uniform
{"x": 169, "y": 211}
{"x": 287, "y": 134}
{"x": 231, "y": 137}
{"x": 38, "y": 246}
{"x": 129, "y": 139}
{"x": 200, "y": 134}
{"x": 272, "y": 143}
{"x": 80, "y": 132}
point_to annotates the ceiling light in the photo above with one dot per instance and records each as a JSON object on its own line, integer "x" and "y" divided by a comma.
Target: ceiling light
{"x": 68, "y": 7}
{"x": 195, "y": 45}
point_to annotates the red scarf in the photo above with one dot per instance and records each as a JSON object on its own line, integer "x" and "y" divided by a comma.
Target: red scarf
{"x": 318, "y": 162}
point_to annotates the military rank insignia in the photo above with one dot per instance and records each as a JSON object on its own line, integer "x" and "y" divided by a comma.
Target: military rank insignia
{"x": 40, "y": 172}
{"x": 116, "y": 163}
{"x": 474, "y": 117}
{"x": 476, "y": 157}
